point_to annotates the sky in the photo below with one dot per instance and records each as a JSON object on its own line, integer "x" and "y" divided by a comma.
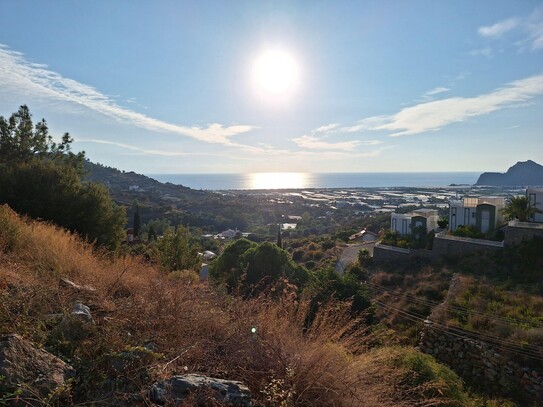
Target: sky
{"x": 281, "y": 86}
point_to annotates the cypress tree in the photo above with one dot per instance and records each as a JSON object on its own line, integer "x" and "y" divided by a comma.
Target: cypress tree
{"x": 279, "y": 240}
{"x": 137, "y": 221}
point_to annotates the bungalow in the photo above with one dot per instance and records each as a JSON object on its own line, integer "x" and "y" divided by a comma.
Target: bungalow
{"x": 482, "y": 212}
{"x": 406, "y": 223}
{"x": 535, "y": 199}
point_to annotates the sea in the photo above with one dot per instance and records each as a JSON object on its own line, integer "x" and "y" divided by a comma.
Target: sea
{"x": 302, "y": 180}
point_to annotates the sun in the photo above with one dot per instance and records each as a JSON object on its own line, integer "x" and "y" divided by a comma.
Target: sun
{"x": 276, "y": 72}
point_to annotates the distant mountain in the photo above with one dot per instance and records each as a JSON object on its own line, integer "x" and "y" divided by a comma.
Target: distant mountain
{"x": 525, "y": 173}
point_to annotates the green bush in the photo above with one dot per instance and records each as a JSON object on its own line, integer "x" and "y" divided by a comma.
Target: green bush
{"x": 422, "y": 369}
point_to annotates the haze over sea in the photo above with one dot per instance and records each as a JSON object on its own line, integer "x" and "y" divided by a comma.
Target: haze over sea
{"x": 300, "y": 180}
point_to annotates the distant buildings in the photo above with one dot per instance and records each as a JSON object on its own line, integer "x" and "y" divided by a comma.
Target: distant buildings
{"x": 228, "y": 234}
{"x": 407, "y": 223}
{"x": 483, "y": 212}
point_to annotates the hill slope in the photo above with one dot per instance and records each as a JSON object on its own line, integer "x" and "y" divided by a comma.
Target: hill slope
{"x": 148, "y": 325}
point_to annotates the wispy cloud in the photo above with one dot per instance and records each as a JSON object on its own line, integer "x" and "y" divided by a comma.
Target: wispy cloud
{"x": 326, "y": 128}
{"x": 318, "y": 139}
{"x": 529, "y": 29}
{"x": 142, "y": 151}
{"x": 368, "y": 123}
{"x": 436, "y": 91}
{"x": 485, "y": 52}
{"x": 16, "y": 72}
{"x": 500, "y": 28}
{"x": 535, "y": 28}
{"x": 316, "y": 143}
{"x": 431, "y": 116}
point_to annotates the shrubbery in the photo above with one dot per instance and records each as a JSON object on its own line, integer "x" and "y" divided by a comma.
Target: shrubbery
{"x": 43, "y": 180}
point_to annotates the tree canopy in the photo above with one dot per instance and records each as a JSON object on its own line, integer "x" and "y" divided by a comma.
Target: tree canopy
{"x": 175, "y": 251}
{"x": 253, "y": 267}
{"x": 43, "y": 179}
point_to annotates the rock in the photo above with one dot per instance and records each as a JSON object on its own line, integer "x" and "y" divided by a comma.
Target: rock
{"x": 83, "y": 312}
{"x": 35, "y": 372}
{"x": 178, "y": 388}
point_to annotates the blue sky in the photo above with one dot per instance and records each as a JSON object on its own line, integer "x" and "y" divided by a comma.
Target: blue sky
{"x": 169, "y": 86}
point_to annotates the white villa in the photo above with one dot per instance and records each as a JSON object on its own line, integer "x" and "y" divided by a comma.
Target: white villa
{"x": 405, "y": 223}
{"x": 483, "y": 212}
{"x": 535, "y": 198}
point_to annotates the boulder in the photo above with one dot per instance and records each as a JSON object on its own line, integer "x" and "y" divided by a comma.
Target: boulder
{"x": 34, "y": 372}
{"x": 179, "y": 387}
{"x": 83, "y": 312}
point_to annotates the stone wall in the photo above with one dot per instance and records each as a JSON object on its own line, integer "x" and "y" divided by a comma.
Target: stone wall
{"x": 516, "y": 232}
{"x": 481, "y": 365}
{"x": 446, "y": 245}
{"x": 383, "y": 253}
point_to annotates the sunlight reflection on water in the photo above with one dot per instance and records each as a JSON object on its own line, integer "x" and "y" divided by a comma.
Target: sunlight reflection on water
{"x": 277, "y": 180}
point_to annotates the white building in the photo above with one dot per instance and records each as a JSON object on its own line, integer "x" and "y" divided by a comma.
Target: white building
{"x": 483, "y": 212}
{"x": 406, "y": 223}
{"x": 535, "y": 199}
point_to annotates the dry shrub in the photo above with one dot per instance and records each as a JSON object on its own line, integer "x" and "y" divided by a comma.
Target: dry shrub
{"x": 189, "y": 326}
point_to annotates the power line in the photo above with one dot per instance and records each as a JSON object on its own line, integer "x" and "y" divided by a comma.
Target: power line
{"x": 459, "y": 309}
{"x": 529, "y": 352}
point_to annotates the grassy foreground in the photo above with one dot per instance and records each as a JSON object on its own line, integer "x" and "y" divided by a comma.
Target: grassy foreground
{"x": 149, "y": 324}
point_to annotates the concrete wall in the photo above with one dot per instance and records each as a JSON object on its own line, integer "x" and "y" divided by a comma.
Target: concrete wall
{"x": 401, "y": 223}
{"x": 479, "y": 363}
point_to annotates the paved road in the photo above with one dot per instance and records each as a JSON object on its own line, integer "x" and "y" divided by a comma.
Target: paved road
{"x": 350, "y": 255}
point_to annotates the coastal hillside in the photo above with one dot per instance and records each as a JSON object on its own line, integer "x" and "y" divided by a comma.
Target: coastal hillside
{"x": 523, "y": 173}
{"x": 80, "y": 327}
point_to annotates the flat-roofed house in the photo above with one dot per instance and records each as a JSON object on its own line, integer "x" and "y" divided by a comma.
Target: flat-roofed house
{"x": 407, "y": 223}
{"x": 483, "y": 212}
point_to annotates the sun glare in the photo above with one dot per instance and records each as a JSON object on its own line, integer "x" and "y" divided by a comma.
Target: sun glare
{"x": 276, "y": 72}
{"x": 277, "y": 180}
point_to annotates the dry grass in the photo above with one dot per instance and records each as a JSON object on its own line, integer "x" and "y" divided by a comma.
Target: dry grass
{"x": 189, "y": 326}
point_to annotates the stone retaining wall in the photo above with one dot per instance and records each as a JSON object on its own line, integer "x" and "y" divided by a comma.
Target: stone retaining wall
{"x": 478, "y": 363}
{"x": 516, "y": 232}
{"x": 383, "y": 253}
